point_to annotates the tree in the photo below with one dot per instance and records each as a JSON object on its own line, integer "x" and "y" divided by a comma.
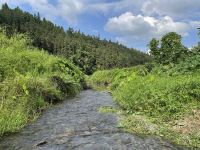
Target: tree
{"x": 171, "y": 49}
{"x": 88, "y": 52}
{"x": 5, "y": 7}
{"x": 154, "y": 50}
{"x": 85, "y": 61}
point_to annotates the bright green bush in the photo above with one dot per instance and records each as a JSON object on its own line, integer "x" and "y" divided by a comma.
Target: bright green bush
{"x": 112, "y": 78}
{"x": 30, "y": 80}
{"x": 103, "y": 78}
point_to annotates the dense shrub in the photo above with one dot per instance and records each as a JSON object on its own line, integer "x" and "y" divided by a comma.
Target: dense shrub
{"x": 166, "y": 97}
{"x": 30, "y": 80}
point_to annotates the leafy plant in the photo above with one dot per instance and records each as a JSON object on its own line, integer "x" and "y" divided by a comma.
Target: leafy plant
{"x": 31, "y": 80}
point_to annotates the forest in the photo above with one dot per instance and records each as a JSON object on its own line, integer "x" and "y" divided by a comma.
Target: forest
{"x": 157, "y": 94}
{"x": 90, "y": 53}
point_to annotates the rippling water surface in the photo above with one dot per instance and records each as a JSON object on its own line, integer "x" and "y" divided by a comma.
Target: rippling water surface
{"x": 77, "y": 124}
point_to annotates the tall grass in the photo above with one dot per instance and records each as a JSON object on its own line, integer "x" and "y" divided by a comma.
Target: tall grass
{"x": 157, "y": 102}
{"x": 30, "y": 80}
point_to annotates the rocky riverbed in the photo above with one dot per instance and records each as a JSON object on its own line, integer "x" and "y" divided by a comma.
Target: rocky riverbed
{"x": 77, "y": 124}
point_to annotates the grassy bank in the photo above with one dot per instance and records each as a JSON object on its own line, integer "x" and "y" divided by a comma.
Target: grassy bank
{"x": 31, "y": 80}
{"x": 158, "y": 103}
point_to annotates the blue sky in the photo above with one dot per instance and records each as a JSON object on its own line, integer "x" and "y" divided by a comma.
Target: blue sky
{"x": 130, "y": 22}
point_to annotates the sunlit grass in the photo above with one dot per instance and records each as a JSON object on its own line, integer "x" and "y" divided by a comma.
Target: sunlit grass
{"x": 155, "y": 104}
{"x": 30, "y": 80}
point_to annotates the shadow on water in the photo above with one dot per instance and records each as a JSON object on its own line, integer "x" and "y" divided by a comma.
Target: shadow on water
{"x": 77, "y": 124}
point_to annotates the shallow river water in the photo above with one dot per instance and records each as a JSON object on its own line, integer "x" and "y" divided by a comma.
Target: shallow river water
{"x": 77, "y": 124}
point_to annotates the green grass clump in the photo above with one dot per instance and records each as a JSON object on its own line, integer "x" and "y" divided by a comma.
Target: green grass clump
{"x": 107, "y": 109}
{"x": 112, "y": 78}
{"x": 157, "y": 103}
{"x": 30, "y": 80}
{"x": 159, "y": 96}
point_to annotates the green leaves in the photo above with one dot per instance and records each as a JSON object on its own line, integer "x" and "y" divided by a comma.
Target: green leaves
{"x": 26, "y": 85}
{"x": 154, "y": 49}
{"x": 171, "y": 49}
{"x": 25, "y": 89}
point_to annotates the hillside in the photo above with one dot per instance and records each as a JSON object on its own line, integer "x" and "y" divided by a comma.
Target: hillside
{"x": 88, "y": 52}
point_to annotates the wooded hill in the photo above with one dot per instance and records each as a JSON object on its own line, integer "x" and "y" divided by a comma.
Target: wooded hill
{"x": 88, "y": 52}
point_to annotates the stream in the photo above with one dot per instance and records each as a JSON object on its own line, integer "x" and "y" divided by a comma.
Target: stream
{"x": 77, "y": 124}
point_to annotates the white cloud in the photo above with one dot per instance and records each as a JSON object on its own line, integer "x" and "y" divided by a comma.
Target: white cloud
{"x": 129, "y": 25}
{"x": 116, "y": 6}
{"x": 195, "y": 24}
{"x": 70, "y": 9}
{"x": 67, "y": 10}
{"x": 175, "y": 8}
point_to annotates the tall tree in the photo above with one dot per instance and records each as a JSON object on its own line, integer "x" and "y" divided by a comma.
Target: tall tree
{"x": 171, "y": 49}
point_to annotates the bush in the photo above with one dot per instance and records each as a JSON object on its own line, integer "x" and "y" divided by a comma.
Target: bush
{"x": 30, "y": 80}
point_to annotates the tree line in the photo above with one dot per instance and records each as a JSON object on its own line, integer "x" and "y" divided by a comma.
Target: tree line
{"x": 88, "y": 52}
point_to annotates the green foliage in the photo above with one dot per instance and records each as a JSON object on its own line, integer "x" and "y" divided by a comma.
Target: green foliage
{"x": 187, "y": 66}
{"x": 153, "y": 46}
{"x": 153, "y": 102}
{"x": 170, "y": 51}
{"x": 85, "y": 61}
{"x": 166, "y": 97}
{"x": 30, "y": 80}
{"x": 88, "y": 52}
{"x": 172, "y": 48}
{"x": 107, "y": 78}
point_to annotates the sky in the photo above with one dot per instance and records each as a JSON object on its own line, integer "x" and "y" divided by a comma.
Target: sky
{"x": 130, "y": 22}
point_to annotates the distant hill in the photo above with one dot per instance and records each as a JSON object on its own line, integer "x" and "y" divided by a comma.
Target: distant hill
{"x": 88, "y": 52}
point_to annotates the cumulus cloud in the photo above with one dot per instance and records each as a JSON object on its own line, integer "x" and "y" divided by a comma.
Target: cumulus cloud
{"x": 138, "y": 26}
{"x": 175, "y": 8}
{"x": 66, "y": 9}
{"x": 69, "y": 10}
